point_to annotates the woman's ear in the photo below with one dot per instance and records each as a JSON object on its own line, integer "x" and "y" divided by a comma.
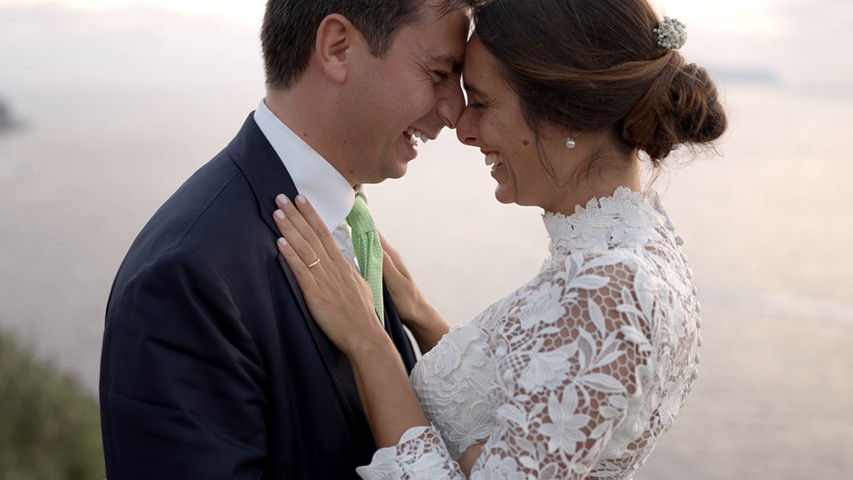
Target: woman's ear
{"x": 335, "y": 40}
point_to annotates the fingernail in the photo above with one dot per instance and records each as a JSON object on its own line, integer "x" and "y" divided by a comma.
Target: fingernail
{"x": 300, "y": 199}
{"x": 279, "y": 214}
{"x": 282, "y": 242}
{"x": 281, "y": 199}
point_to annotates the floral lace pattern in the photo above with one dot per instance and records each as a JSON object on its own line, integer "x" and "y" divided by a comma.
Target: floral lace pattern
{"x": 576, "y": 373}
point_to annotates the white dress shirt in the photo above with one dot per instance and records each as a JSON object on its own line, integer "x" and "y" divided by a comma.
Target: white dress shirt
{"x": 315, "y": 178}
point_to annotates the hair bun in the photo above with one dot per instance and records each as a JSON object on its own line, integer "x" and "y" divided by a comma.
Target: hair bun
{"x": 696, "y": 105}
{"x": 681, "y": 107}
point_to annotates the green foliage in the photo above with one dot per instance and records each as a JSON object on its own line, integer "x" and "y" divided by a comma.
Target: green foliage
{"x": 49, "y": 426}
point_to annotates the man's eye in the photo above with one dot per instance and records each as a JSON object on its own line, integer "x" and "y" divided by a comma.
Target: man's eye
{"x": 440, "y": 75}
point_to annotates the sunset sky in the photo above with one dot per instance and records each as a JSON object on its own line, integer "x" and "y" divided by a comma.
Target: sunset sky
{"x": 793, "y": 41}
{"x": 721, "y": 14}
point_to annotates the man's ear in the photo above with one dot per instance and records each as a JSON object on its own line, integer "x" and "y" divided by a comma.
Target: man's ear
{"x": 334, "y": 47}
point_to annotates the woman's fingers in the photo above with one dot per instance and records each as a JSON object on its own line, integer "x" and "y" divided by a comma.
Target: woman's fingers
{"x": 392, "y": 258}
{"x": 393, "y": 270}
{"x": 469, "y": 457}
{"x": 392, "y": 275}
{"x": 318, "y": 226}
{"x": 338, "y": 297}
{"x": 297, "y": 234}
{"x": 310, "y": 227}
{"x": 299, "y": 267}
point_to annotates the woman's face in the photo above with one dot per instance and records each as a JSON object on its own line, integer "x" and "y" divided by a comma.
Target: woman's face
{"x": 493, "y": 121}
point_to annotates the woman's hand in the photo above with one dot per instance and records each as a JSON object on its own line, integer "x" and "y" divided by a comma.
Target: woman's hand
{"x": 469, "y": 457}
{"x": 339, "y": 299}
{"x": 408, "y": 299}
{"x": 423, "y": 320}
{"x": 342, "y": 305}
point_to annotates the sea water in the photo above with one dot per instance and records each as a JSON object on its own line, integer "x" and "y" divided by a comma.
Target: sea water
{"x": 766, "y": 219}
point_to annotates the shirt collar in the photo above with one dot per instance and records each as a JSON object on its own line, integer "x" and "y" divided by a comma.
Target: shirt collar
{"x": 315, "y": 178}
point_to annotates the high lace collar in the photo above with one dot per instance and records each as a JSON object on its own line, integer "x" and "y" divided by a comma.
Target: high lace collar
{"x": 626, "y": 218}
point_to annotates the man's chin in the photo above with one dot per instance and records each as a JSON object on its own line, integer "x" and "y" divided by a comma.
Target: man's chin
{"x": 388, "y": 175}
{"x": 399, "y": 170}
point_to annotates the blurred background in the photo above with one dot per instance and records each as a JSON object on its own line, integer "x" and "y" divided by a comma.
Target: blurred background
{"x": 107, "y": 106}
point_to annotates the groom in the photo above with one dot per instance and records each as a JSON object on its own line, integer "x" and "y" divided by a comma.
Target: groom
{"x": 212, "y": 367}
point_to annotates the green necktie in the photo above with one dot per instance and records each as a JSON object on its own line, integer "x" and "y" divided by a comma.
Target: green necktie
{"x": 368, "y": 250}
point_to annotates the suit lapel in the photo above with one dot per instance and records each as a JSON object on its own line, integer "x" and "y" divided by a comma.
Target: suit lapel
{"x": 268, "y": 177}
{"x": 264, "y": 171}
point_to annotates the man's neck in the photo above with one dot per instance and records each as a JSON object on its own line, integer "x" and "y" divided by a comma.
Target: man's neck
{"x": 306, "y": 113}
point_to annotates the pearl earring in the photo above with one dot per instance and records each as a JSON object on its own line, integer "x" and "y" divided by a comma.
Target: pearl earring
{"x": 570, "y": 142}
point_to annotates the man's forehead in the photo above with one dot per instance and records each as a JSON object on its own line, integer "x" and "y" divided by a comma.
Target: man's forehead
{"x": 444, "y": 7}
{"x": 439, "y": 37}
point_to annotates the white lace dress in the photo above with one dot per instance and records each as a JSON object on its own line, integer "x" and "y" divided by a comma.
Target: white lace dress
{"x": 573, "y": 375}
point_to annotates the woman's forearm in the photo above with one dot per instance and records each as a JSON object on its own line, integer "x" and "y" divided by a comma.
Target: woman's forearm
{"x": 428, "y": 327}
{"x": 386, "y": 393}
{"x": 426, "y": 324}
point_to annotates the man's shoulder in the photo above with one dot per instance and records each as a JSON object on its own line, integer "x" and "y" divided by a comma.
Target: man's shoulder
{"x": 216, "y": 215}
{"x": 215, "y": 206}
{"x": 217, "y": 185}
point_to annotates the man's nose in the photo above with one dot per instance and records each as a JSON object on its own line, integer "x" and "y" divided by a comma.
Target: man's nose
{"x": 451, "y": 103}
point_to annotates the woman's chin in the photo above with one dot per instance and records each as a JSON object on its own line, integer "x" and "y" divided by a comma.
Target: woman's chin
{"x": 503, "y": 196}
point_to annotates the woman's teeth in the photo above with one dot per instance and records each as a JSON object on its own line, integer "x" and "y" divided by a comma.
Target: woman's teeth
{"x": 415, "y": 135}
{"x": 494, "y": 160}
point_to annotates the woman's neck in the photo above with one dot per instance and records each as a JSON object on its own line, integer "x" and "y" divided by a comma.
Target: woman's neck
{"x": 598, "y": 185}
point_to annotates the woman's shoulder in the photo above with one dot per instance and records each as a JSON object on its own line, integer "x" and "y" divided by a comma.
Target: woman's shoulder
{"x": 615, "y": 265}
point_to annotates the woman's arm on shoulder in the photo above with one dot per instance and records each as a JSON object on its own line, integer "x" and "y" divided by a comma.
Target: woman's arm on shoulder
{"x": 341, "y": 303}
{"x": 425, "y": 322}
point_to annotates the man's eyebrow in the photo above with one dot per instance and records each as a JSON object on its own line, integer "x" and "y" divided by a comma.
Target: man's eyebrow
{"x": 455, "y": 64}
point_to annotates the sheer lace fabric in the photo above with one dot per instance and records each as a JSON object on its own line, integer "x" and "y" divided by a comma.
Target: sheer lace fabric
{"x": 576, "y": 373}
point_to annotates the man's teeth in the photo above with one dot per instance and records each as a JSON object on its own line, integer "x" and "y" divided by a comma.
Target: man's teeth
{"x": 494, "y": 160}
{"x": 415, "y": 135}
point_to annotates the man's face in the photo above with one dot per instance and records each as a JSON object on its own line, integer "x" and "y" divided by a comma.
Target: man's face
{"x": 412, "y": 91}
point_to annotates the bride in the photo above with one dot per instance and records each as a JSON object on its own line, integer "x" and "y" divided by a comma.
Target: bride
{"x": 577, "y": 372}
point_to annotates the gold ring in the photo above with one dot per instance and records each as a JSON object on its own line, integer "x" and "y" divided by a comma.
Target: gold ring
{"x": 315, "y": 263}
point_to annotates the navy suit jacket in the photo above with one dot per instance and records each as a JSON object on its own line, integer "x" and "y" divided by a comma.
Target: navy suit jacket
{"x": 212, "y": 367}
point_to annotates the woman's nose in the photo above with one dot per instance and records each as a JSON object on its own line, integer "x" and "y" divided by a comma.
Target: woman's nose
{"x": 466, "y": 130}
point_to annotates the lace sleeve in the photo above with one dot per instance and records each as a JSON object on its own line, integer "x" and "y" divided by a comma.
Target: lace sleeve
{"x": 420, "y": 454}
{"x": 572, "y": 356}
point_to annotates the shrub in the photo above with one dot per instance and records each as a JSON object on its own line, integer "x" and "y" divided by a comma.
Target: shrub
{"x": 49, "y": 426}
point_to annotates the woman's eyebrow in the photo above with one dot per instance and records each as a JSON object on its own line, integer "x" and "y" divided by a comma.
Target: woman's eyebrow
{"x": 471, "y": 88}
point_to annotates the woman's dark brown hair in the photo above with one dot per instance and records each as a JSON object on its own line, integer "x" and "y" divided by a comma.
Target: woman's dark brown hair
{"x": 594, "y": 65}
